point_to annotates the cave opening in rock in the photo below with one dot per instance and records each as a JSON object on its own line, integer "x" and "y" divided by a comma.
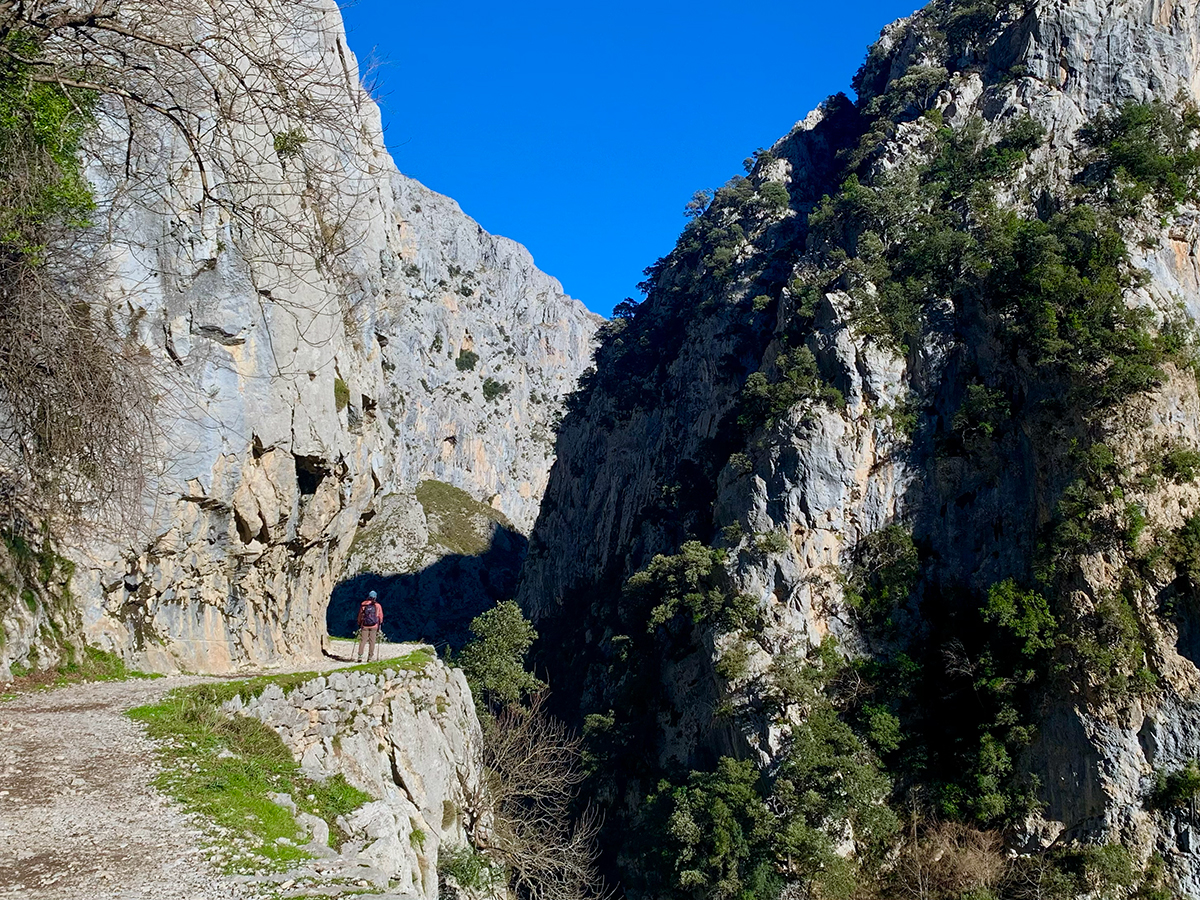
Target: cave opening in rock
{"x": 310, "y": 472}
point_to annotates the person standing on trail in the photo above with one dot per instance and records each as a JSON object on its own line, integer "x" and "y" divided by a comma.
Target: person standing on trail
{"x": 370, "y": 617}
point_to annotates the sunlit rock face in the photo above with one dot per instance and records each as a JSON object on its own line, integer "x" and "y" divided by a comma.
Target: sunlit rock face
{"x": 332, "y": 334}
{"x": 408, "y": 737}
{"x": 653, "y": 454}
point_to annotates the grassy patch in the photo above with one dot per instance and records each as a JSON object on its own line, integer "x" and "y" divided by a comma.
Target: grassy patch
{"x": 91, "y": 664}
{"x": 219, "y": 692}
{"x": 457, "y": 520}
{"x": 341, "y": 394}
{"x": 225, "y": 767}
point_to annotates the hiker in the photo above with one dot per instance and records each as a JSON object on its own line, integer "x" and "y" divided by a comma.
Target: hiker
{"x": 370, "y": 617}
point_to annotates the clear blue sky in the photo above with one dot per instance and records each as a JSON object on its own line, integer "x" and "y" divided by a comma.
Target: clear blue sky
{"x": 581, "y": 130}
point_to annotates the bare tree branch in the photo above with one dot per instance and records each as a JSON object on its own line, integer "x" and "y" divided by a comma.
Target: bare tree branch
{"x": 521, "y": 816}
{"x": 247, "y": 92}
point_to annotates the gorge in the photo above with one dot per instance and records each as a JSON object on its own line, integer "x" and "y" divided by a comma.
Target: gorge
{"x": 864, "y": 557}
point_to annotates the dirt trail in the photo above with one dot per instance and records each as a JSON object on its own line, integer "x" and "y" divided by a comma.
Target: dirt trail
{"x": 79, "y": 818}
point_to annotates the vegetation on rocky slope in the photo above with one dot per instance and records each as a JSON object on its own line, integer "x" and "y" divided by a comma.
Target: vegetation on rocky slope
{"x": 227, "y": 767}
{"x": 1032, "y": 269}
{"x": 523, "y": 824}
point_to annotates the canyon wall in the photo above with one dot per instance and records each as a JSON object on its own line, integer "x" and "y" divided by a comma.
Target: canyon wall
{"x": 764, "y": 405}
{"x": 321, "y": 334}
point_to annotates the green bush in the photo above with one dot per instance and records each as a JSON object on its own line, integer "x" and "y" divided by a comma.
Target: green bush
{"x": 741, "y": 463}
{"x": 469, "y": 868}
{"x": 763, "y": 402}
{"x": 1135, "y": 526}
{"x": 1146, "y": 149}
{"x": 798, "y": 679}
{"x": 905, "y": 416}
{"x": 689, "y": 582}
{"x": 733, "y": 533}
{"x": 466, "y": 360}
{"x": 966, "y": 22}
{"x": 982, "y": 412}
{"x": 774, "y": 196}
{"x": 494, "y": 661}
{"x": 734, "y": 662}
{"x": 711, "y": 836}
{"x": 772, "y": 541}
{"x": 1177, "y": 788}
{"x": 1181, "y": 548}
{"x": 914, "y": 90}
{"x": 883, "y": 573}
{"x": 341, "y": 394}
{"x": 881, "y": 728}
{"x": 1181, "y": 464}
{"x": 1110, "y": 651}
{"x": 829, "y": 777}
{"x": 1024, "y": 614}
{"x": 493, "y": 389}
{"x": 42, "y": 126}
{"x": 290, "y": 143}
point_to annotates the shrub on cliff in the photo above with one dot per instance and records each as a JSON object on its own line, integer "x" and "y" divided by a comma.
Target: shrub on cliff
{"x": 737, "y": 832}
{"x": 76, "y": 405}
{"x": 521, "y": 820}
{"x": 711, "y": 836}
{"x": 689, "y": 582}
{"x": 1177, "y": 788}
{"x": 75, "y": 379}
{"x": 798, "y": 380}
{"x": 494, "y": 662}
{"x": 466, "y": 360}
{"x": 1143, "y": 149}
{"x": 493, "y": 389}
{"x": 883, "y": 573}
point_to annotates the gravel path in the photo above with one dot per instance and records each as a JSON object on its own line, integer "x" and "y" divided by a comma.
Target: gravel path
{"x": 79, "y": 818}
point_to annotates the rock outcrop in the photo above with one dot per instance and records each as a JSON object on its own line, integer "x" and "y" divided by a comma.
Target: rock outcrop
{"x": 677, "y": 443}
{"x": 39, "y": 619}
{"x": 321, "y": 331}
{"x": 437, "y": 558}
{"x": 410, "y": 739}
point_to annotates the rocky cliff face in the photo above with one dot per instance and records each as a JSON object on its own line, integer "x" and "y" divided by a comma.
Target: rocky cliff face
{"x": 323, "y": 333}
{"x": 850, "y": 409}
{"x": 409, "y": 739}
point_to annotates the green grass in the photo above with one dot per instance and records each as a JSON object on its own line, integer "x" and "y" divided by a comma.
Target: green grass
{"x": 341, "y": 394}
{"x": 97, "y": 665}
{"x": 93, "y": 664}
{"x": 224, "y": 766}
{"x": 220, "y": 691}
{"x": 455, "y": 518}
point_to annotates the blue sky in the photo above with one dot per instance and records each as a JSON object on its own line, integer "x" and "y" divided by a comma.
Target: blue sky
{"x": 581, "y": 130}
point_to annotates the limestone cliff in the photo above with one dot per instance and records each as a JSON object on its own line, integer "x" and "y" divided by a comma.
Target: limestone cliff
{"x": 409, "y": 739}
{"x": 322, "y": 333}
{"x": 819, "y": 400}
